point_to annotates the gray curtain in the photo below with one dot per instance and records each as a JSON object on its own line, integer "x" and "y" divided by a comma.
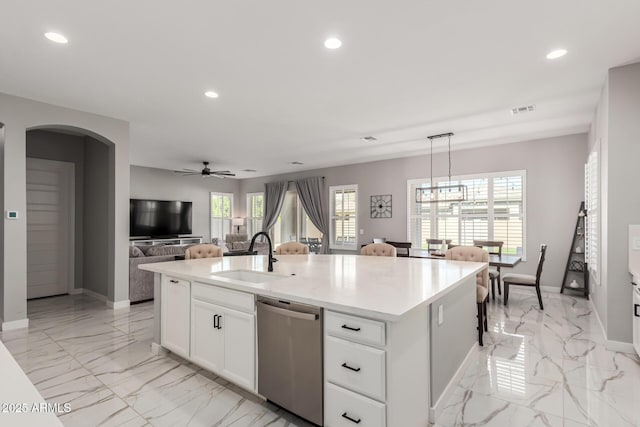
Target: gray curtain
{"x": 274, "y": 193}
{"x": 310, "y": 191}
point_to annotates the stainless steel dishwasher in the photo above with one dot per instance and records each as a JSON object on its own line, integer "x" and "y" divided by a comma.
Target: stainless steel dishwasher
{"x": 290, "y": 356}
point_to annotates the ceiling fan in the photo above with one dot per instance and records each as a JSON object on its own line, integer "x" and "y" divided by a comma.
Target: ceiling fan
{"x": 205, "y": 172}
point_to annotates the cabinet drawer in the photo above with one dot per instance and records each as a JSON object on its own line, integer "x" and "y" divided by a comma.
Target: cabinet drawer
{"x": 355, "y": 328}
{"x": 226, "y": 297}
{"x": 355, "y": 366}
{"x": 343, "y": 408}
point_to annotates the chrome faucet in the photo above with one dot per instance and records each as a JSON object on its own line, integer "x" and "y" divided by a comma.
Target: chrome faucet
{"x": 271, "y": 258}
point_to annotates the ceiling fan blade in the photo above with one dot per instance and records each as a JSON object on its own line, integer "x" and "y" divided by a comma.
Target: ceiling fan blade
{"x": 190, "y": 173}
{"x": 223, "y": 173}
{"x": 187, "y": 171}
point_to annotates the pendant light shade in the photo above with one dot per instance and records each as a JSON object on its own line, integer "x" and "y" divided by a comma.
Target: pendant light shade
{"x": 441, "y": 193}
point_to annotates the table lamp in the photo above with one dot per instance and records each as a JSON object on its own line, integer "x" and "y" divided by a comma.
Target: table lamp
{"x": 237, "y": 222}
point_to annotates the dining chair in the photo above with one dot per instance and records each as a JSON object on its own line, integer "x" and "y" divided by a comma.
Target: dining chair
{"x": 526, "y": 279}
{"x": 402, "y": 248}
{"x": 379, "y": 249}
{"x": 292, "y": 248}
{"x": 494, "y": 247}
{"x": 203, "y": 251}
{"x": 436, "y": 244}
{"x": 475, "y": 254}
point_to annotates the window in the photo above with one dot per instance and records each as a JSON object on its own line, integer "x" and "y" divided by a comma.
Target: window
{"x": 293, "y": 223}
{"x": 221, "y": 212}
{"x": 592, "y": 220}
{"x": 494, "y": 210}
{"x": 344, "y": 217}
{"x": 255, "y": 212}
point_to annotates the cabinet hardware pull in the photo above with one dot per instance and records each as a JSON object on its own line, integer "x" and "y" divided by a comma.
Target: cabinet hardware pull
{"x": 350, "y": 328}
{"x": 344, "y": 365}
{"x": 353, "y": 420}
{"x": 635, "y": 310}
{"x": 215, "y": 317}
{"x": 219, "y": 319}
{"x": 634, "y": 283}
{"x": 173, "y": 281}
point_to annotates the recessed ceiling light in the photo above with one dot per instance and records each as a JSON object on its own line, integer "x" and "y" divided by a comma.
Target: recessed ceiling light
{"x": 555, "y": 54}
{"x": 297, "y": 163}
{"x": 332, "y": 43}
{"x": 56, "y": 37}
{"x": 211, "y": 94}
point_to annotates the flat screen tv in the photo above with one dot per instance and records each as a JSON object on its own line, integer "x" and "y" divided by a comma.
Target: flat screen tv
{"x": 159, "y": 218}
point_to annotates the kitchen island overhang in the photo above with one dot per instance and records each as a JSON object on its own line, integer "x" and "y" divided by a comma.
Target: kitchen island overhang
{"x": 423, "y": 355}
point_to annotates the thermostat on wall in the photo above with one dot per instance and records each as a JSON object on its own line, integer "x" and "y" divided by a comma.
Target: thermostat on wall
{"x": 12, "y": 214}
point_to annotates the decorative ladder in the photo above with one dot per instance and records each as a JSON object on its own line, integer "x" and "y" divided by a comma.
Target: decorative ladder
{"x": 576, "y": 270}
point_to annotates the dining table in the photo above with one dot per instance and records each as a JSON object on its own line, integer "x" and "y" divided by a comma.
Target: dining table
{"x": 495, "y": 260}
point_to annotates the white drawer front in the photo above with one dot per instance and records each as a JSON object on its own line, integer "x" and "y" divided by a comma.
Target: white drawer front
{"x": 355, "y": 366}
{"x": 355, "y": 328}
{"x": 226, "y": 297}
{"x": 343, "y": 408}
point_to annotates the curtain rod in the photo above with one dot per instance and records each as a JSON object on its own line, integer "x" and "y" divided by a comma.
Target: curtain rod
{"x": 291, "y": 181}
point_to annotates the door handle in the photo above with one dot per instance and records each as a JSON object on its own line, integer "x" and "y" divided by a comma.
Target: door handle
{"x": 344, "y": 365}
{"x": 635, "y": 310}
{"x": 353, "y": 420}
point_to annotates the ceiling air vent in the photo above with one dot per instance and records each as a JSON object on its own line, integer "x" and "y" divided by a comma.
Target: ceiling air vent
{"x": 369, "y": 138}
{"x": 522, "y": 110}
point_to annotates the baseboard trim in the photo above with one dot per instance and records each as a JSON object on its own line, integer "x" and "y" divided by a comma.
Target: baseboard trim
{"x": 94, "y": 294}
{"x": 14, "y": 324}
{"x": 436, "y": 410}
{"x": 621, "y": 347}
{"x": 119, "y": 305}
{"x": 75, "y": 291}
{"x": 158, "y": 350}
{"x": 593, "y": 308}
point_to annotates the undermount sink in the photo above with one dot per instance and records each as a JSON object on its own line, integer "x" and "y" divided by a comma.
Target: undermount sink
{"x": 249, "y": 276}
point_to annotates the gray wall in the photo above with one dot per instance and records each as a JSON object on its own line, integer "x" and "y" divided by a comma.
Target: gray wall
{"x": 65, "y": 148}
{"x": 2, "y": 290}
{"x": 96, "y": 216}
{"x": 555, "y": 188}
{"x": 151, "y": 183}
{"x": 618, "y": 128}
{"x": 20, "y": 115}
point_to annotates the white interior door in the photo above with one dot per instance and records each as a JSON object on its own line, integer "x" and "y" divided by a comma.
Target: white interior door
{"x": 50, "y": 227}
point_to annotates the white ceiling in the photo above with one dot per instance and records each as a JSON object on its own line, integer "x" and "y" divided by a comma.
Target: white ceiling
{"x": 407, "y": 69}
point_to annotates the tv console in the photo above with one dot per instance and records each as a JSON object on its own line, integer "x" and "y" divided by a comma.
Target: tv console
{"x": 149, "y": 241}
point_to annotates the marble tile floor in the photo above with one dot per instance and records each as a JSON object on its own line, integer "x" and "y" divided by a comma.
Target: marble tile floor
{"x": 537, "y": 368}
{"x": 100, "y": 361}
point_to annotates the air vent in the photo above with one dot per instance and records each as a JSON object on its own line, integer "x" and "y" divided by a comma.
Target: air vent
{"x": 369, "y": 138}
{"x": 249, "y": 170}
{"x": 297, "y": 163}
{"x": 523, "y": 110}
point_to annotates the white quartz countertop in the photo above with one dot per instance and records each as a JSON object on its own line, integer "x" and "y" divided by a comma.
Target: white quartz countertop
{"x": 22, "y": 405}
{"x": 380, "y": 287}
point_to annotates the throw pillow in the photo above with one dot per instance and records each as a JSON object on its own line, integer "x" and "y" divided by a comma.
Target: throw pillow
{"x": 135, "y": 252}
{"x": 165, "y": 250}
{"x": 240, "y": 246}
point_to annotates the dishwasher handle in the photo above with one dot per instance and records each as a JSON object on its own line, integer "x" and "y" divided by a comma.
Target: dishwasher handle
{"x": 288, "y": 313}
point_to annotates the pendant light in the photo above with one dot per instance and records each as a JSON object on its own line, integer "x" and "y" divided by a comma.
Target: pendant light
{"x": 441, "y": 193}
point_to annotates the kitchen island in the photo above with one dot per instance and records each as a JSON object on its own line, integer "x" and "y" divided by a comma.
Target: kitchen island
{"x": 409, "y": 323}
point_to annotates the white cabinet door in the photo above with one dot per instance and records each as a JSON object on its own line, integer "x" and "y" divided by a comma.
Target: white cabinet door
{"x": 223, "y": 341}
{"x": 207, "y": 339}
{"x": 239, "y": 347}
{"x": 636, "y": 320}
{"x": 175, "y": 315}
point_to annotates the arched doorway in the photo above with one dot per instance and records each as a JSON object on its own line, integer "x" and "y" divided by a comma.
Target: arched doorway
{"x": 69, "y": 246}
